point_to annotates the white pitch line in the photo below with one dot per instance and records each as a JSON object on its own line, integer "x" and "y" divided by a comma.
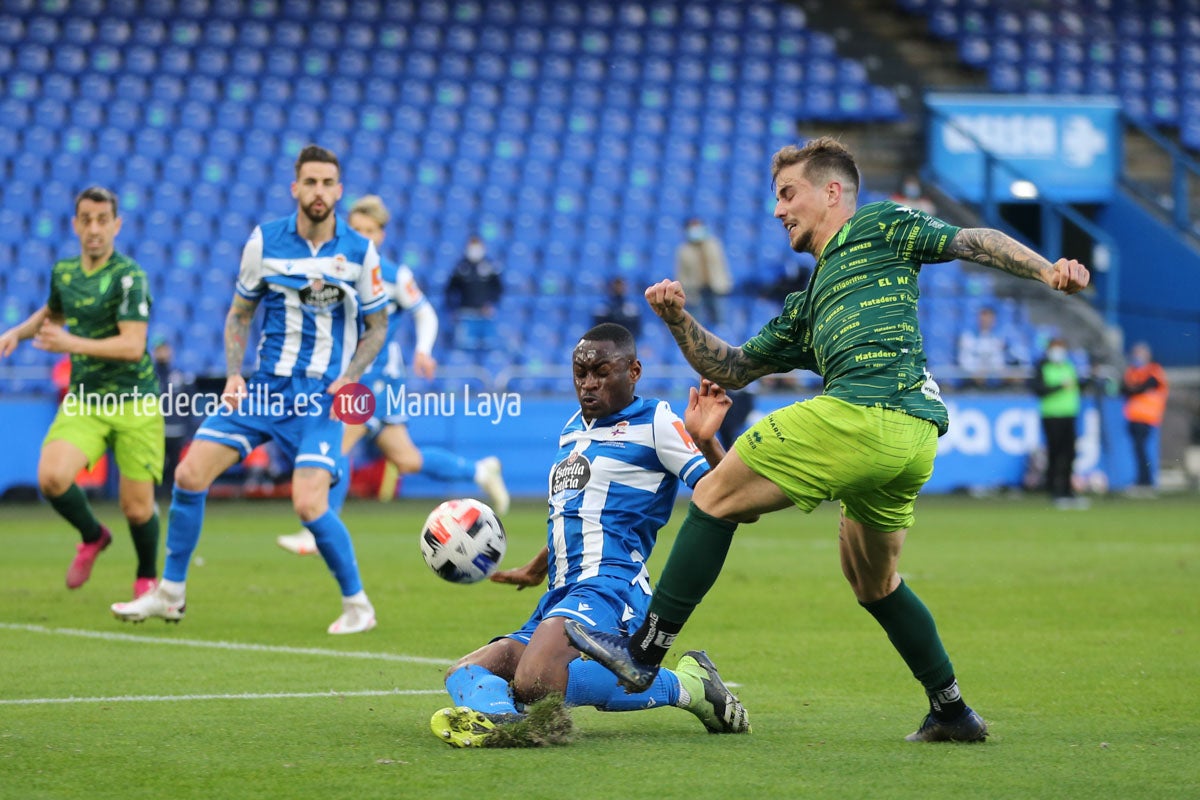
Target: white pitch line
{"x": 174, "y": 698}
{"x": 254, "y": 648}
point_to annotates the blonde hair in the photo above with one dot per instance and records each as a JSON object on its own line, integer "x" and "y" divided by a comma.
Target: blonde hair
{"x": 372, "y": 206}
{"x": 824, "y": 159}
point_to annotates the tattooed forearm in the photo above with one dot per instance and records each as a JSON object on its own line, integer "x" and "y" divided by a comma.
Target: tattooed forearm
{"x": 369, "y": 345}
{"x": 237, "y": 333}
{"x": 994, "y": 249}
{"x": 714, "y": 358}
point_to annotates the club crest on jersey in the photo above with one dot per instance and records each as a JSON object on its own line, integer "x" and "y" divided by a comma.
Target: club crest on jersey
{"x": 339, "y": 265}
{"x": 620, "y": 429}
{"x": 570, "y": 476}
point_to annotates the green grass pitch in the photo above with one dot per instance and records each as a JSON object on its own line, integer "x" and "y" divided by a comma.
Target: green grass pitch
{"x": 1075, "y": 634}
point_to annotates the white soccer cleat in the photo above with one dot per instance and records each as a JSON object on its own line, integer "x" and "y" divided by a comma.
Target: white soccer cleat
{"x": 302, "y": 542}
{"x": 358, "y": 615}
{"x": 489, "y": 478}
{"x": 159, "y": 602}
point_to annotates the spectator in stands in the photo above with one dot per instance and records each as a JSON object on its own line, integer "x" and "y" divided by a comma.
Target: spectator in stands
{"x": 1145, "y": 388}
{"x": 472, "y": 294}
{"x": 388, "y": 428}
{"x": 911, "y": 194}
{"x": 701, "y": 268}
{"x": 984, "y": 353}
{"x": 105, "y": 296}
{"x": 324, "y": 322}
{"x": 619, "y": 308}
{"x": 173, "y": 384}
{"x": 1056, "y": 383}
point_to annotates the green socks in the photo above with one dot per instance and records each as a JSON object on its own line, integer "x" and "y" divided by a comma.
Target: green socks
{"x": 691, "y": 570}
{"x": 145, "y": 544}
{"x": 73, "y": 506}
{"x": 911, "y": 629}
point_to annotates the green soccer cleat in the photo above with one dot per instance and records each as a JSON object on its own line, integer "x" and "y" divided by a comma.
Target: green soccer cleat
{"x": 465, "y": 727}
{"x": 711, "y": 700}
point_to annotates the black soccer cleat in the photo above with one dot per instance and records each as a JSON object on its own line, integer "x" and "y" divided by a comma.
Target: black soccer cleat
{"x": 612, "y": 652}
{"x": 969, "y": 727}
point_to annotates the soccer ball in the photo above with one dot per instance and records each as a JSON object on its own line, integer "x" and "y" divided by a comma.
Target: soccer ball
{"x": 463, "y": 541}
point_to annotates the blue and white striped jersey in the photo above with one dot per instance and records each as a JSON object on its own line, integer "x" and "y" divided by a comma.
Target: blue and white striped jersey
{"x": 313, "y": 298}
{"x": 612, "y": 488}
{"x": 403, "y": 294}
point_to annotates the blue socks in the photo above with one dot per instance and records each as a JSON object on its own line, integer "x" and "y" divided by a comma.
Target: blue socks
{"x": 589, "y": 684}
{"x": 475, "y": 687}
{"x": 183, "y": 532}
{"x": 333, "y": 542}
{"x": 339, "y": 490}
{"x": 440, "y": 464}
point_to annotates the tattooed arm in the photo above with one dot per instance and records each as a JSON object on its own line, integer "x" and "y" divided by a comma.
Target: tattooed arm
{"x": 237, "y": 333}
{"x": 369, "y": 345}
{"x": 722, "y": 363}
{"x": 992, "y": 248}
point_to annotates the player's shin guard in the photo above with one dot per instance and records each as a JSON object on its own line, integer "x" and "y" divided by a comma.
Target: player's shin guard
{"x": 590, "y": 684}
{"x": 183, "y": 532}
{"x": 480, "y": 689}
{"x": 339, "y": 490}
{"x": 913, "y": 633}
{"x": 334, "y": 545}
{"x": 73, "y": 506}
{"x": 691, "y": 570}
{"x": 145, "y": 544}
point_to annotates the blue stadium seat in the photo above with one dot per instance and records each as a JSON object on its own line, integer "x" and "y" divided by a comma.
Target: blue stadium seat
{"x": 174, "y": 60}
{"x": 141, "y": 168}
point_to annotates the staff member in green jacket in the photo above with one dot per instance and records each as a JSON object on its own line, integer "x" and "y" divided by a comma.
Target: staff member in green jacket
{"x": 1056, "y": 384}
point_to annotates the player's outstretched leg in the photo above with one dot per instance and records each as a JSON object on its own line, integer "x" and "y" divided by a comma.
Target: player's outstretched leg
{"x": 613, "y": 652}
{"x": 490, "y": 478}
{"x": 968, "y": 727}
{"x": 711, "y": 700}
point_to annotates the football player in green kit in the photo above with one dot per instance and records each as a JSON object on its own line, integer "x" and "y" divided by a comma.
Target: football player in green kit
{"x": 868, "y": 440}
{"x": 98, "y": 311}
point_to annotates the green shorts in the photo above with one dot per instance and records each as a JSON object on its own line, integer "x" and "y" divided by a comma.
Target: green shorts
{"x": 134, "y": 431}
{"x": 872, "y": 459}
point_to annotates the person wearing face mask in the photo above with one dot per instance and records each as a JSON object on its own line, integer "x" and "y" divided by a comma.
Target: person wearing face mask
{"x": 1056, "y": 383}
{"x": 472, "y": 294}
{"x": 1145, "y": 388}
{"x": 701, "y": 268}
{"x": 912, "y": 195}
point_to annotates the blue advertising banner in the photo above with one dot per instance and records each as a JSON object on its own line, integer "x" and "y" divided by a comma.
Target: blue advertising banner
{"x": 1068, "y": 147}
{"x": 988, "y": 446}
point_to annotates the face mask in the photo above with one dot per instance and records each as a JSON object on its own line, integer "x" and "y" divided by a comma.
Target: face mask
{"x": 696, "y": 233}
{"x": 912, "y": 190}
{"x": 1057, "y": 354}
{"x": 475, "y": 252}
{"x": 1139, "y": 361}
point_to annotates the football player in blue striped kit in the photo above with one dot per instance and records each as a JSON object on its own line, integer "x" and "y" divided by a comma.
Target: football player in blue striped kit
{"x": 620, "y": 461}
{"x": 317, "y": 280}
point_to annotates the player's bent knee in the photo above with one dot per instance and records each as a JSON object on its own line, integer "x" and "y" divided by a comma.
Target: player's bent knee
{"x": 54, "y": 484}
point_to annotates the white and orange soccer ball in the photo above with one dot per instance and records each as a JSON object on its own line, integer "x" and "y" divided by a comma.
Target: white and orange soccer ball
{"x": 463, "y": 541}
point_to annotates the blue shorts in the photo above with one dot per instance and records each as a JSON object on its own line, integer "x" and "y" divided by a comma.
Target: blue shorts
{"x": 385, "y": 413}
{"x": 604, "y": 604}
{"x": 293, "y": 412}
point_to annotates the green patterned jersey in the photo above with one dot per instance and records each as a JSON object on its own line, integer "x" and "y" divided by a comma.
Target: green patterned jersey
{"x": 856, "y": 322}
{"x": 92, "y": 305}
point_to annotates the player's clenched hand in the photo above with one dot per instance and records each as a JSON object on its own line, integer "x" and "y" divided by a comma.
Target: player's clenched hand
{"x": 1068, "y": 276}
{"x": 667, "y": 299}
{"x": 706, "y": 410}
{"x": 52, "y": 338}
{"x": 234, "y": 391}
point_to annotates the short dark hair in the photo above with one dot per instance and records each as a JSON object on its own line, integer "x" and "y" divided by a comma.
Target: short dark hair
{"x": 317, "y": 153}
{"x": 823, "y": 159}
{"x": 98, "y": 194}
{"x": 619, "y": 335}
